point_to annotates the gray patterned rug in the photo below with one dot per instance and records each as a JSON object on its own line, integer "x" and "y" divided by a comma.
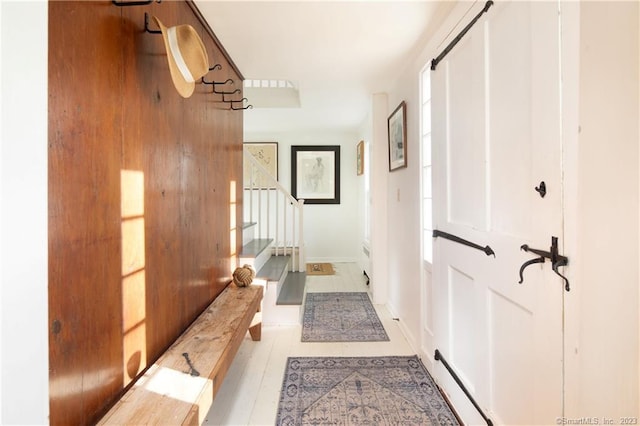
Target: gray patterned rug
{"x": 394, "y": 390}
{"x": 341, "y": 317}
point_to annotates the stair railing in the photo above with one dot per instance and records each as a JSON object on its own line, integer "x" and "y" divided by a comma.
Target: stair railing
{"x": 277, "y": 213}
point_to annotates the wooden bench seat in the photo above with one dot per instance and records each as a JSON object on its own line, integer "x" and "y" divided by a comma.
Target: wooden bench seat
{"x": 180, "y": 386}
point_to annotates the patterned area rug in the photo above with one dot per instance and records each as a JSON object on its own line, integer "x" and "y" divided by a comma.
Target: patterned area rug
{"x": 341, "y": 317}
{"x": 320, "y": 269}
{"x": 393, "y": 390}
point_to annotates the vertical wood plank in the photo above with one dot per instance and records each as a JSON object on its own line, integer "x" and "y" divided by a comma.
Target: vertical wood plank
{"x": 84, "y": 243}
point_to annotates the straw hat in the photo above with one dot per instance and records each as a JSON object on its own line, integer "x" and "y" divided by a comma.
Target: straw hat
{"x": 187, "y": 56}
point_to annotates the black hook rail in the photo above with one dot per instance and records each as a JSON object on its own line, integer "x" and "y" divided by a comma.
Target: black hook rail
{"x": 438, "y": 357}
{"x": 486, "y": 249}
{"x": 134, "y": 3}
{"x": 440, "y": 57}
{"x": 556, "y": 259}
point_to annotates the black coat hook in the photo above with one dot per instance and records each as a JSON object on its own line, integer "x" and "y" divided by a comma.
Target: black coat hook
{"x": 242, "y": 101}
{"x": 236, "y": 109}
{"x": 231, "y": 93}
{"x": 146, "y": 25}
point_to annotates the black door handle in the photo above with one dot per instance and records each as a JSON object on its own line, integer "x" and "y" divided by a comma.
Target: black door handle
{"x": 486, "y": 249}
{"x": 557, "y": 260}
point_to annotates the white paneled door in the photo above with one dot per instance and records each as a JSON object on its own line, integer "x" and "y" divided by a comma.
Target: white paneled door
{"x": 497, "y": 136}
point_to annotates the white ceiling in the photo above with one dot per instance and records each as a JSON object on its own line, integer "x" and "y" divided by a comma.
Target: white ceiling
{"x": 337, "y": 53}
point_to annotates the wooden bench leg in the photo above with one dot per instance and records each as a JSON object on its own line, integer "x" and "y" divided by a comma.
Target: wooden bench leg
{"x": 256, "y": 332}
{"x": 255, "y": 329}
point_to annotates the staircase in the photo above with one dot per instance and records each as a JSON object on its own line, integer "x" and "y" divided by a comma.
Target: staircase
{"x": 272, "y": 243}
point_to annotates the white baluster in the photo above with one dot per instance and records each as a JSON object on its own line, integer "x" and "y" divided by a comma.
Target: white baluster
{"x": 301, "y": 259}
{"x": 293, "y": 238}
{"x": 277, "y": 217}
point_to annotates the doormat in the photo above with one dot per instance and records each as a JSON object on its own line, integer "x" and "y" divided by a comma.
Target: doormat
{"x": 341, "y": 317}
{"x": 391, "y": 390}
{"x": 320, "y": 269}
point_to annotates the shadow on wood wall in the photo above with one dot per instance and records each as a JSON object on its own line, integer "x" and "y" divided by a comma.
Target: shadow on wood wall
{"x": 144, "y": 198}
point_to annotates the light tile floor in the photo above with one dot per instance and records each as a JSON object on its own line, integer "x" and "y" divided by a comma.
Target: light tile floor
{"x": 251, "y": 389}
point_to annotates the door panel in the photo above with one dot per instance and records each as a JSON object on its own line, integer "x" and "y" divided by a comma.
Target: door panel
{"x": 464, "y": 317}
{"x": 496, "y": 128}
{"x": 466, "y": 168}
{"x": 509, "y": 83}
{"x": 511, "y": 363}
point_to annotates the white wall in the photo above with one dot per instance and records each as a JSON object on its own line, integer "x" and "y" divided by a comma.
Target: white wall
{"x": 366, "y": 135}
{"x": 379, "y": 252}
{"x": 331, "y": 231}
{"x": 24, "y": 352}
{"x": 603, "y": 351}
{"x": 403, "y": 202}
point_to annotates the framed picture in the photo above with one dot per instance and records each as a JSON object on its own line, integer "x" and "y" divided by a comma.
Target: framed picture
{"x": 397, "y": 125}
{"x": 360, "y": 158}
{"x": 267, "y": 155}
{"x": 315, "y": 173}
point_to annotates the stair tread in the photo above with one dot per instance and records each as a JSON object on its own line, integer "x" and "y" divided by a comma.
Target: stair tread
{"x": 255, "y": 247}
{"x": 274, "y": 268}
{"x": 248, "y": 224}
{"x": 292, "y": 291}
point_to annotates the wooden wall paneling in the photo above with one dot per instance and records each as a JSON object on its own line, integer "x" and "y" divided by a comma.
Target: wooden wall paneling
{"x": 233, "y": 158}
{"x": 216, "y": 122}
{"x": 227, "y": 136}
{"x": 162, "y": 131}
{"x": 211, "y": 192}
{"x": 84, "y": 202}
{"x": 193, "y": 210}
{"x": 221, "y": 204}
{"x": 148, "y": 125}
{"x": 140, "y": 215}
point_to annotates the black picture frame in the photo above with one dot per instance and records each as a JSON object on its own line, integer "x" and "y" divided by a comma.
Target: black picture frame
{"x": 315, "y": 173}
{"x": 397, "y": 128}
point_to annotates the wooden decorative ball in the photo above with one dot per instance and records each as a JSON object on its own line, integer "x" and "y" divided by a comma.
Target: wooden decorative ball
{"x": 244, "y": 276}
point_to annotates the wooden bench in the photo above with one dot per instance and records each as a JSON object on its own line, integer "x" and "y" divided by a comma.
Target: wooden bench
{"x": 180, "y": 386}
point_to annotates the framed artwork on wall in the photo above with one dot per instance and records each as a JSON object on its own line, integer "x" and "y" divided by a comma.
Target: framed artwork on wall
{"x": 315, "y": 173}
{"x": 360, "y": 158}
{"x": 267, "y": 155}
{"x": 397, "y": 127}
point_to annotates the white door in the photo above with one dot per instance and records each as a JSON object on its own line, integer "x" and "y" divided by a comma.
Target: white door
{"x": 497, "y": 135}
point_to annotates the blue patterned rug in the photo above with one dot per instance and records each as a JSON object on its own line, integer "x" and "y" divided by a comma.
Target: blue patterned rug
{"x": 341, "y": 317}
{"x": 393, "y": 390}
